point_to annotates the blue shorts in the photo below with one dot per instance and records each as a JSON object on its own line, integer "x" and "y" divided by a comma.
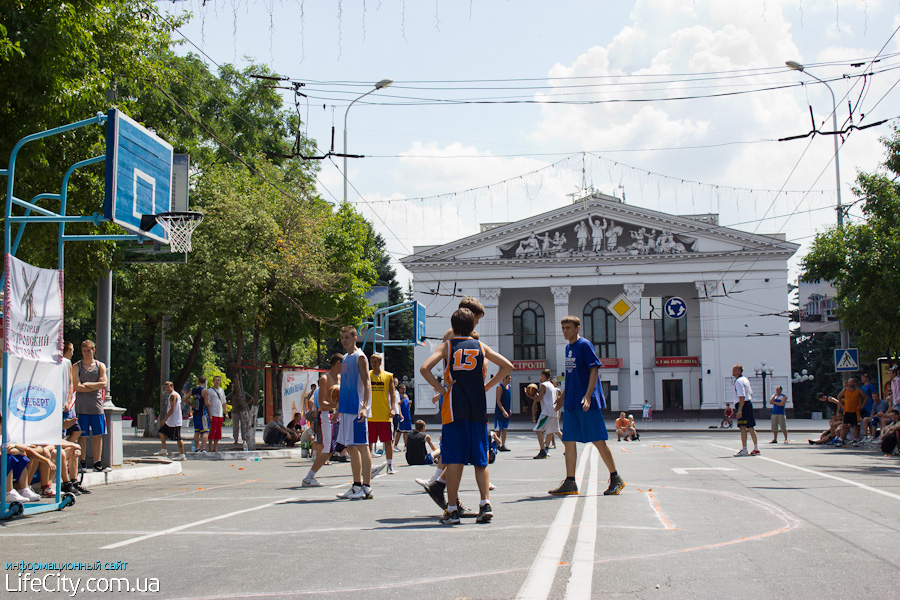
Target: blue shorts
{"x": 201, "y": 423}
{"x": 92, "y": 424}
{"x": 500, "y": 423}
{"x": 586, "y": 427}
{"x": 70, "y": 414}
{"x": 405, "y": 425}
{"x": 464, "y": 443}
{"x": 16, "y": 465}
{"x": 352, "y": 431}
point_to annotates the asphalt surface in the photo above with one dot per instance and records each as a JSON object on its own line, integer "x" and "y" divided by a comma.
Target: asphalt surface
{"x": 693, "y": 522}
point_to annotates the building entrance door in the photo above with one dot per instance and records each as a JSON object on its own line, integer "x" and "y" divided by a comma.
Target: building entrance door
{"x": 525, "y": 401}
{"x": 672, "y": 394}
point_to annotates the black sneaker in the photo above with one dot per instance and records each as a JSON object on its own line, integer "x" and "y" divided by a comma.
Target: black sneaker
{"x": 436, "y": 491}
{"x": 566, "y": 488}
{"x": 464, "y": 511}
{"x": 98, "y": 466}
{"x": 616, "y": 484}
{"x": 67, "y": 487}
{"x": 77, "y": 486}
{"x": 485, "y": 514}
{"x": 503, "y": 449}
{"x": 450, "y": 518}
{"x": 541, "y": 454}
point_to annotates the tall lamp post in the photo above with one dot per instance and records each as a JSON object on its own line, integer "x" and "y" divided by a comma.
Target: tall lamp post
{"x": 795, "y": 66}
{"x": 765, "y": 372}
{"x": 378, "y": 86}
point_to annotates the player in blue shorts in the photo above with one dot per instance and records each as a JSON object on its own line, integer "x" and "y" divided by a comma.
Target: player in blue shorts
{"x": 464, "y": 435}
{"x": 501, "y": 411}
{"x": 583, "y": 401}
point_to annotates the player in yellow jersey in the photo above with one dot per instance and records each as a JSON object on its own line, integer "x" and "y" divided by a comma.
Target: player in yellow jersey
{"x": 382, "y": 411}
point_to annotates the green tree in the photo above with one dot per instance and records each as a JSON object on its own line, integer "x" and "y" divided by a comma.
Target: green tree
{"x": 860, "y": 260}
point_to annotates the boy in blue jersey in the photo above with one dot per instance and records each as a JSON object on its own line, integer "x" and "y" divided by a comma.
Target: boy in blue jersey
{"x": 464, "y": 434}
{"x": 582, "y": 417}
{"x": 354, "y": 409}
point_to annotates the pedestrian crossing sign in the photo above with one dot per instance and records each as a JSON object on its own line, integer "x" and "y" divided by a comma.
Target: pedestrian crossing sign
{"x": 846, "y": 360}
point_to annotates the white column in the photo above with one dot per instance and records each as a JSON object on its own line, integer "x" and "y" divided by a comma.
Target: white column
{"x": 709, "y": 363}
{"x": 560, "y": 310}
{"x": 489, "y": 326}
{"x": 636, "y": 352}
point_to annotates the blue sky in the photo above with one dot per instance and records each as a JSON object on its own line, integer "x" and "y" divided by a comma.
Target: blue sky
{"x": 434, "y": 170}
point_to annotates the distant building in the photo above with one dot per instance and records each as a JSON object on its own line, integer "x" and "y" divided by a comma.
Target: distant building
{"x": 580, "y": 258}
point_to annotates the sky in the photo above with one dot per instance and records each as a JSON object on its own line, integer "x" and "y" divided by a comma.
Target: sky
{"x": 503, "y": 109}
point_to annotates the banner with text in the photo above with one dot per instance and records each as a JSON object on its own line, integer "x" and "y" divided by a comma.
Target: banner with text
{"x": 33, "y": 311}
{"x": 36, "y": 393}
{"x": 295, "y": 385}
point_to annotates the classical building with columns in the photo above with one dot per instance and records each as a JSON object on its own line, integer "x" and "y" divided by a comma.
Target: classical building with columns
{"x": 705, "y": 298}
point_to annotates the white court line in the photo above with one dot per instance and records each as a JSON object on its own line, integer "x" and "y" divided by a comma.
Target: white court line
{"x": 194, "y": 524}
{"x": 582, "y": 574}
{"x": 820, "y": 474}
{"x": 543, "y": 570}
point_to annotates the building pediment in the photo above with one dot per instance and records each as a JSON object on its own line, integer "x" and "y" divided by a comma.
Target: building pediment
{"x": 600, "y": 226}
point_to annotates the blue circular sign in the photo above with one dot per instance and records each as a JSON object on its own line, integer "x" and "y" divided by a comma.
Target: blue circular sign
{"x": 30, "y": 402}
{"x": 675, "y": 307}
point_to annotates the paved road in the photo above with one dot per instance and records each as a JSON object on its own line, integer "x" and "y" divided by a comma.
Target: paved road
{"x": 798, "y": 521}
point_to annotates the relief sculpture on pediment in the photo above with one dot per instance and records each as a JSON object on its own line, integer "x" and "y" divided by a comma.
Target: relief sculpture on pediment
{"x": 597, "y": 236}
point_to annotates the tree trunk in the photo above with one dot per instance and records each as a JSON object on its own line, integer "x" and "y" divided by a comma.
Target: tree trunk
{"x": 150, "y": 362}
{"x": 185, "y": 371}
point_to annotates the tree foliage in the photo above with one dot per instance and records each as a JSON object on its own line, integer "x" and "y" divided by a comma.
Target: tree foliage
{"x": 860, "y": 260}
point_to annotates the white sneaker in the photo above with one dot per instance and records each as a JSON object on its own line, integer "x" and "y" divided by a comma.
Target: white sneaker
{"x": 359, "y": 493}
{"x": 391, "y": 470}
{"x": 743, "y": 452}
{"x": 14, "y": 496}
{"x": 311, "y": 482}
{"x": 491, "y": 486}
{"x": 369, "y": 493}
{"x": 377, "y": 470}
{"x": 161, "y": 453}
{"x": 424, "y": 483}
{"x": 29, "y": 495}
{"x": 179, "y": 457}
{"x": 349, "y": 493}
{"x": 396, "y": 448}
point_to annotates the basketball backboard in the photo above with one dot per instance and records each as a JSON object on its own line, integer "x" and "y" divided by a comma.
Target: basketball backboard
{"x": 138, "y": 176}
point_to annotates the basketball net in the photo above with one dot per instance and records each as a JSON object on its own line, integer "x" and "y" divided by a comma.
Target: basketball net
{"x": 179, "y": 226}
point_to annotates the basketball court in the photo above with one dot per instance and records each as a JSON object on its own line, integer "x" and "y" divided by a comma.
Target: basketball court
{"x": 692, "y": 520}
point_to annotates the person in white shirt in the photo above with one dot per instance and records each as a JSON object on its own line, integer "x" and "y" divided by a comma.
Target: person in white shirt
{"x": 746, "y": 420}
{"x": 214, "y": 397}
{"x": 171, "y": 422}
{"x": 546, "y": 422}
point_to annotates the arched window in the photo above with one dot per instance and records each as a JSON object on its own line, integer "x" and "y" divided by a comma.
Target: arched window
{"x": 600, "y": 327}
{"x": 671, "y": 335}
{"x": 528, "y": 331}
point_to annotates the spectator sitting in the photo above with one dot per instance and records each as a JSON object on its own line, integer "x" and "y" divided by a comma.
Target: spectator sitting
{"x": 276, "y": 434}
{"x": 635, "y": 436}
{"x": 416, "y": 453}
{"x": 890, "y": 433}
{"x": 834, "y": 426}
{"x": 622, "y": 427}
{"x": 19, "y": 473}
{"x": 878, "y": 418}
{"x": 296, "y": 424}
{"x": 726, "y": 420}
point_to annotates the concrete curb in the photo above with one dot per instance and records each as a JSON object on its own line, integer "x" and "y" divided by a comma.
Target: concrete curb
{"x": 246, "y": 455}
{"x": 132, "y": 474}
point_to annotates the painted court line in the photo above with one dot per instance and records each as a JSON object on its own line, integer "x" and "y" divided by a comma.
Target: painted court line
{"x": 543, "y": 570}
{"x": 820, "y": 474}
{"x": 194, "y": 524}
{"x": 657, "y": 509}
{"x": 581, "y": 577}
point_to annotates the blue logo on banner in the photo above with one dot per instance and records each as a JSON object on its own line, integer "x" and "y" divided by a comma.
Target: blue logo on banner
{"x": 30, "y": 402}
{"x": 675, "y": 307}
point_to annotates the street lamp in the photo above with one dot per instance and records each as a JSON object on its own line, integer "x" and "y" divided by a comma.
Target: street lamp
{"x": 380, "y": 85}
{"x": 802, "y": 376}
{"x": 765, "y": 372}
{"x": 795, "y": 66}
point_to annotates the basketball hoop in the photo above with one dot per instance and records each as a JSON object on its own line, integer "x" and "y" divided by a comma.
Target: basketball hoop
{"x": 179, "y": 226}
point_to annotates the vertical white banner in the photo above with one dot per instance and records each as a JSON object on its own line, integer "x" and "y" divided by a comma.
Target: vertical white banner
{"x": 295, "y": 385}
{"x": 33, "y": 311}
{"x": 36, "y": 394}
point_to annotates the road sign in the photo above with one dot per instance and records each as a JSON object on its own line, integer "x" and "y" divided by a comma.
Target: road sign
{"x": 138, "y": 176}
{"x": 621, "y": 307}
{"x": 846, "y": 360}
{"x": 651, "y": 308}
{"x": 675, "y": 307}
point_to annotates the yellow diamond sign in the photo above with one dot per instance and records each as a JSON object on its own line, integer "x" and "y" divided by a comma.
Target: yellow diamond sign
{"x": 621, "y": 307}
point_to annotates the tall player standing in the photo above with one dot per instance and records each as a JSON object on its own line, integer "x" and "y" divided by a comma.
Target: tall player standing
{"x": 353, "y": 409}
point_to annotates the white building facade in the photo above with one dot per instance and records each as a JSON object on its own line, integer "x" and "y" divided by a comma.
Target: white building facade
{"x": 578, "y": 260}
